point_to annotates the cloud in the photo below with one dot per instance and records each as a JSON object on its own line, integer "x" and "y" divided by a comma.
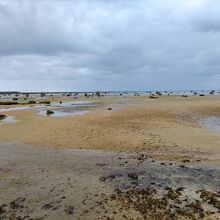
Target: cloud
{"x": 115, "y": 45}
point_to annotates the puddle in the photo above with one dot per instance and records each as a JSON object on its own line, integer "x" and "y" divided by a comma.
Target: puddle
{"x": 69, "y": 108}
{"x": 18, "y": 108}
{"x": 211, "y": 123}
{"x": 62, "y": 113}
{"x": 9, "y": 120}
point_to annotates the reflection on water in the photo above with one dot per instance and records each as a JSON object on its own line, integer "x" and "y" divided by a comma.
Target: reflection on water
{"x": 62, "y": 113}
{"x": 9, "y": 120}
{"x": 69, "y": 108}
{"x": 18, "y": 108}
{"x": 212, "y": 123}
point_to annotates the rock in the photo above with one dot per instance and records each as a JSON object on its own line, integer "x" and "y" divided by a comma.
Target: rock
{"x": 8, "y": 103}
{"x": 186, "y": 161}
{"x": 17, "y": 203}
{"x": 49, "y": 112}
{"x": 185, "y": 96}
{"x": 61, "y": 102}
{"x": 173, "y": 195}
{"x": 168, "y": 188}
{"x": 98, "y": 93}
{"x": 133, "y": 176}
{"x": 100, "y": 164}
{"x": 158, "y": 93}
{"x": 69, "y": 210}
{"x": 2, "y": 117}
{"x": 105, "y": 178}
{"x": 153, "y": 97}
{"x": 180, "y": 189}
{"x": 2, "y": 210}
{"x": 44, "y": 102}
{"x": 109, "y": 109}
{"x": 47, "y": 206}
{"x": 32, "y": 102}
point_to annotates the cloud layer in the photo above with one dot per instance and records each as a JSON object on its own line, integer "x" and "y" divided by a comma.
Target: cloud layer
{"x": 109, "y": 45}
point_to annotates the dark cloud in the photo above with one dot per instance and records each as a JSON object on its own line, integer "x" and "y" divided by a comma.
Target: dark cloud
{"x": 89, "y": 45}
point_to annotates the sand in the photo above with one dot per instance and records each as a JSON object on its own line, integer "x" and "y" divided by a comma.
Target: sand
{"x": 157, "y": 126}
{"x": 53, "y": 183}
{"x": 145, "y": 159}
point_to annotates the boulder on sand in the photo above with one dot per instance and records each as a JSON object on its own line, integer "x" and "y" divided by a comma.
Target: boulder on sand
{"x": 2, "y": 117}
{"x": 49, "y": 112}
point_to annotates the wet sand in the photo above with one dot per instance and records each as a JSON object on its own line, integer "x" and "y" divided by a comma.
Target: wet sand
{"x": 52, "y": 183}
{"x": 145, "y": 159}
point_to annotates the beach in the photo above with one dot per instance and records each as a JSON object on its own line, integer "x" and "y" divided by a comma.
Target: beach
{"x": 114, "y": 157}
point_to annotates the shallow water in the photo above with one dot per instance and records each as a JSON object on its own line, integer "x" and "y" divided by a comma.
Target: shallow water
{"x": 211, "y": 123}
{"x": 62, "y": 113}
{"x": 9, "y": 120}
{"x": 68, "y": 108}
{"x": 18, "y": 108}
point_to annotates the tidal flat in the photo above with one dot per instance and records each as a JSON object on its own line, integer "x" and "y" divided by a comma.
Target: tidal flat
{"x": 110, "y": 157}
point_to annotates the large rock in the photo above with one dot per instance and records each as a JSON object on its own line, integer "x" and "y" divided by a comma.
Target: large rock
{"x": 2, "y": 117}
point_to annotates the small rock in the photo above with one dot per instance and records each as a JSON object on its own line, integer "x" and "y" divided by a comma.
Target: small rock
{"x": 69, "y": 210}
{"x": 133, "y": 176}
{"x": 49, "y": 112}
{"x": 47, "y": 206}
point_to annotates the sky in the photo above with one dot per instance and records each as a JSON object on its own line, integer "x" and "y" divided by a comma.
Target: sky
{"x": 84, "y": 45}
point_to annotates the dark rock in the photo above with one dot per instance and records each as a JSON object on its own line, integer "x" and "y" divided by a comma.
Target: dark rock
{"x": 47, "y": 206}
{"x": 168, "y": 188}
{"x": 133, "y": 176}
{"x": 32, "y": 102}
{"x": 17, "y": 203}
{"x": 109, "y": 109}
{"x": 100, "y": 164}
{"x": 69, "y": 210}
{"x": 105, "y": 178}
{"x": 44, "y": 102}
{"x": 153, "y": 97}
{"x": 2, "y": 117}
{"x": 49, "y": 112}
{"x": 8, "y": 103}
{"x": 180, "y": 189}
{"x": 186, "y": 161}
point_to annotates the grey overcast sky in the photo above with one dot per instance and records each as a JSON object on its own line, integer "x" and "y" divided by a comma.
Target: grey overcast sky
{"x": 76, "y": 45}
